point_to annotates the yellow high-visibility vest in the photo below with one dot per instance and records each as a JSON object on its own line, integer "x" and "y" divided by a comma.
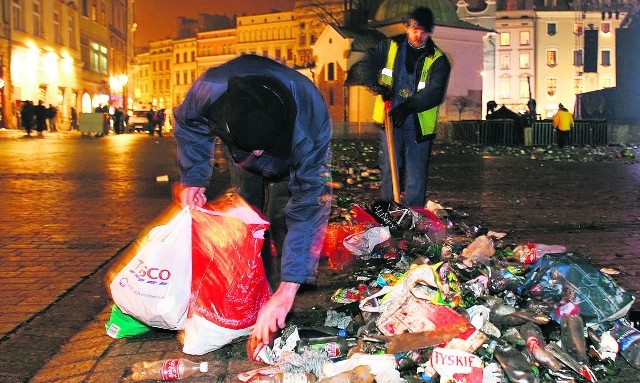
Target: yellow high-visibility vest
{"x": 428, "y": 119}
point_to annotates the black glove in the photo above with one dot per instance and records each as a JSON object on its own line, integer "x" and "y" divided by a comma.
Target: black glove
{"x": 400, "y": 113}
{"x": 382, "y": 90}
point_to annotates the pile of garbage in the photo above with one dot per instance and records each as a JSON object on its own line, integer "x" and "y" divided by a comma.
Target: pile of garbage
{"x": 629, "y": 154}
{"x": 432, "y": 299}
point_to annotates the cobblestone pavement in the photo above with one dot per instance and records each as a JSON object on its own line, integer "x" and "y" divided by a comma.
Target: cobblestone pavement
{"x": 71, "y": 203}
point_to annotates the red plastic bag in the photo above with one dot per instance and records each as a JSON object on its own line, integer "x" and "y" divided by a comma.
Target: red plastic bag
{"x": 229, "y": 285}
{"x": 333, "y": 245}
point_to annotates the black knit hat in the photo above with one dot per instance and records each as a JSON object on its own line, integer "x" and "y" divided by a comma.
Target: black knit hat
{"x": 424, "y": 17}
{"x": 259, "y": 113}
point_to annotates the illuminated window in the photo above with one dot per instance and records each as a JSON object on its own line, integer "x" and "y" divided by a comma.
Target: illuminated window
{"x": 524, "y": 60}
{"x": 505, "y": 87}
{"x": 94, "y": 11}
{"x": 605, "y": 58}
{"x": 552, "y": 84}
{"x": 577, "y": 28}
{"x": 551, "y": 29}
{"x": 98, "y": 58}
{"x": 18, "y": 15}
{"x": 525, "y": 38}
{"x": 505, "y": 61}
{"x": 578, "y": 85}
{"x": 37, "y": 19}
{"x": 505, "y": 39}
{"x": 552, "y": 58}
{"x": 524, "y": 87}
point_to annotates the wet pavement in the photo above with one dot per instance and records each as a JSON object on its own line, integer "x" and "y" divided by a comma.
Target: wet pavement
{"x": 72, "y": 203}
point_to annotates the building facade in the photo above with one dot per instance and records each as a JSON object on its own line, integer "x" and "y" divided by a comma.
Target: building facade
{"x": 65, "y": 53}
{"x": 548, "y": 50}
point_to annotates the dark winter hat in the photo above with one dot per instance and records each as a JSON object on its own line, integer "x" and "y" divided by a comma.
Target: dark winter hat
{"x": 423, "y": 16}
{"x": 260, "y": 112}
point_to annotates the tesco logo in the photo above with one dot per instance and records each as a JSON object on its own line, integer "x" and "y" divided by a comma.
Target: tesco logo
{"x": 153, "y": 274}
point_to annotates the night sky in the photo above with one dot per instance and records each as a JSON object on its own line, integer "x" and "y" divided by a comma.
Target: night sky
{"x": 158, "y": 19}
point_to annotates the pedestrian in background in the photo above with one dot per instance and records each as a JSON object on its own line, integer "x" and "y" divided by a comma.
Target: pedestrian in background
{"x": 40, "y": 111}
{"x": 162, "y": 116}
{"x": 563, "y": 122}
{"x": 276, "y": 131}
{"x": 152, "y": 117}
{"x": 74, "y": 119}
{"x": 52, "y": 113}
{"x": 27, "y": 116}
{"x": 118, "y": 121}
{"x": 412, "y": 73}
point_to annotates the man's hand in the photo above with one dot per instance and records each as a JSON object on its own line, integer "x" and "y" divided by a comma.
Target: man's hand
{"x": 192, "y": 196}
{"x": 382, "y": 90}
{"x": 273, "y": 314}
{"x": 400, "y": 113}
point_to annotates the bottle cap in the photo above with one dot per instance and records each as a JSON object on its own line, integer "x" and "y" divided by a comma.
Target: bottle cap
{"x": 204, "y": 366}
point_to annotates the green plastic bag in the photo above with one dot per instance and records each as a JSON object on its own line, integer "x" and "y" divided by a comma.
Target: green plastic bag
{"x": 121, "y": 325}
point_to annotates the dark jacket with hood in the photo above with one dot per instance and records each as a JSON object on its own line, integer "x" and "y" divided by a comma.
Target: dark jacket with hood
{"x": 307, "y": 168}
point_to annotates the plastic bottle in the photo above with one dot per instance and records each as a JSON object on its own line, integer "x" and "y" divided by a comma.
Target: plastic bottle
{"x": 335, "y": 346}
{"x": 535, "y": 343}
{"x": 515, "y": 364}
{"x": 360, "y": 374}
{"x": 572, "y": 337}
{"x": 285, "y": 377}
{"x": 378, "y": 363}
{"x": 530, "y": 252}
{"x": 629, "y": 342}
{"x": 168, "y": 369}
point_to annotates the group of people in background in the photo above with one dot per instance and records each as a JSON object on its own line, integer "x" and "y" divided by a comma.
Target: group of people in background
{"x": 39, "y": 117}
{"x": 156, "y": 121}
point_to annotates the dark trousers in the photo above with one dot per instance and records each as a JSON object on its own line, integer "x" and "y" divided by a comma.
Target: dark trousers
{"x": 270, "y": 197}
{"x": 564, "y": 138}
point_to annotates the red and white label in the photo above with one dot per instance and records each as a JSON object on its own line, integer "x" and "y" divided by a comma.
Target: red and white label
{"x": 171, "y": 369}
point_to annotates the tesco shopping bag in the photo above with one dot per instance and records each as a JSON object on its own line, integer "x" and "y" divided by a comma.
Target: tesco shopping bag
{"x": 152, "y": 280}
{"x": 229, "y": 284}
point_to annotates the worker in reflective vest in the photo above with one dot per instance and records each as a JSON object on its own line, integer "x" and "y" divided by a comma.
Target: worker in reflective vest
{"x": 412, "y": 73}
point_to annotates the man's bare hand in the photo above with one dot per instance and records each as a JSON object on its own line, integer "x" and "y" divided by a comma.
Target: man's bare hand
{"x": 192, "y": 196}
{"x": 273, "y": 314}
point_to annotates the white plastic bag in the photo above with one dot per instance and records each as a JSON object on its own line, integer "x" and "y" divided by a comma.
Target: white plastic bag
{"x": 155, "y": 285}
